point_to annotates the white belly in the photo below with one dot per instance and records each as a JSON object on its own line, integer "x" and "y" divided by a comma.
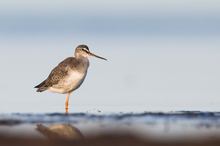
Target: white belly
{"x": 71, "y": 82}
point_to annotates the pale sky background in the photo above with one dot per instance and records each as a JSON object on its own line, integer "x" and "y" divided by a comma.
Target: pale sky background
{"x": 164, "y": 55}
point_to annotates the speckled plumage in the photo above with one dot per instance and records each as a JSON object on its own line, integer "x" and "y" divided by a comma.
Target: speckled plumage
{"x": 64, "y": 69}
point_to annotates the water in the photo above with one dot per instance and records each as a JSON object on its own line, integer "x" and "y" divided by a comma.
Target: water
{"x": 156, "y": 125}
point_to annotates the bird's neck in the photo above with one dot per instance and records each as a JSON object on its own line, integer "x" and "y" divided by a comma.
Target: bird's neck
{"x": 81, "y": 56}
{"x": 83, "y": 60}
{"x": 84, "y": 63}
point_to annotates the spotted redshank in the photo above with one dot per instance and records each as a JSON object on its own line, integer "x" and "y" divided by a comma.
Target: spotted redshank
{"x": 68, "y": 75}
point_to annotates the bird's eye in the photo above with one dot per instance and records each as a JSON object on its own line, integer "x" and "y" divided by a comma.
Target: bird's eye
{"x": 84, "y": 50}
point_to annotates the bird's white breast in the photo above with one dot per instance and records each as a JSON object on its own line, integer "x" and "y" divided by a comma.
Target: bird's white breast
{"x": 74, "y": 77}
{"x": 71, "y": 82}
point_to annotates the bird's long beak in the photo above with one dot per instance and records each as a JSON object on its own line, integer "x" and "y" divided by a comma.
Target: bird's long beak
{"x": 91, "y": 54}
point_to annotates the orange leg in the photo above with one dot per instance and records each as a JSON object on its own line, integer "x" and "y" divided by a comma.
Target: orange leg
{"x": 67, "y": 103}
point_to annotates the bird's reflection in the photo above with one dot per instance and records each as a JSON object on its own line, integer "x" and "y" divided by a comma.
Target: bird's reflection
{"x": 60, "y": 131}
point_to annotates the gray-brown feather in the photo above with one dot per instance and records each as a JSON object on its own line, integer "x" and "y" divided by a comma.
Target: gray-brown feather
{"x": 60, "y": 71}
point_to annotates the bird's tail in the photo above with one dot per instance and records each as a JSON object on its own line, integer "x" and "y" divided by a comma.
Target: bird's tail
{"x": 41, "y": 87}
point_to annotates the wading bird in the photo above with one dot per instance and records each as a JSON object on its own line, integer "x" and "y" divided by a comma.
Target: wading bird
{"x": 68, "y": 75}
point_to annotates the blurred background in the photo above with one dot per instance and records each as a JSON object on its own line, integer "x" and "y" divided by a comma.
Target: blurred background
{"x": 163, "y": 55}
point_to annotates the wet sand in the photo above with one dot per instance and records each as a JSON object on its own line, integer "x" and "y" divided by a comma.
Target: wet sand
{"x": 175, "y": 128}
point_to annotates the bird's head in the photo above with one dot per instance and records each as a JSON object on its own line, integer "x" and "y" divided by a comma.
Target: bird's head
{"x": 83, "y": 51}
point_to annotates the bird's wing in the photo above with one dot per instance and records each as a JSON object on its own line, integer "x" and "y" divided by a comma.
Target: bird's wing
{"x": 59, "y": 72}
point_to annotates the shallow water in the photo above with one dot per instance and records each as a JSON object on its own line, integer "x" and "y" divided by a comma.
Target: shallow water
{"x": 155, "y": 125}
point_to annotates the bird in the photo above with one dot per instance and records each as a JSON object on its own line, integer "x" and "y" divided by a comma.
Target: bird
{"x": 69, "y": 74}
